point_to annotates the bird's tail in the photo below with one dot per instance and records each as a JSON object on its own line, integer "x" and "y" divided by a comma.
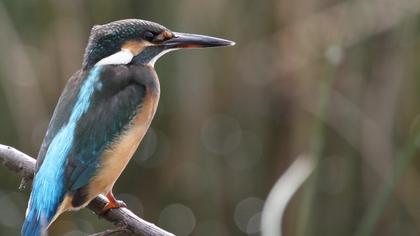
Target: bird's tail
{"x": 35, "y": 224}
{"x": 38, "y": 217}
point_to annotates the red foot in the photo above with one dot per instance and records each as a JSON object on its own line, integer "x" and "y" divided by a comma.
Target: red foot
{"x": 112, "y": 203}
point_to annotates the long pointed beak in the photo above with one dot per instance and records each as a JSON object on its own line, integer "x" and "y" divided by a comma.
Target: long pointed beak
{"x": 184, "y": 40}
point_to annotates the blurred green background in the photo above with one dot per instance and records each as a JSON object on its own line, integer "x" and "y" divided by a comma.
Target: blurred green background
{"x": 334, "y": 80}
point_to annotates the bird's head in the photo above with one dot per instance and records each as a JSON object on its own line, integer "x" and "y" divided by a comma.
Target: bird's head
{"x": 136, "y": 41}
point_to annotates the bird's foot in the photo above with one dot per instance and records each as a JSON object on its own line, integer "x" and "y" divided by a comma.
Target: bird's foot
{"x": 112, "y": 203}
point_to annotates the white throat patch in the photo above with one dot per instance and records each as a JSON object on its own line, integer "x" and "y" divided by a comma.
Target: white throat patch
{"x": 125, "y": 56}
{"x": 122, "y": 57}
{"x": 154, "y": 59}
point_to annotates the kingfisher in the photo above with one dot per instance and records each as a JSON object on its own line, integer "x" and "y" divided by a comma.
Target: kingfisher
{"x": 101, "y": 117}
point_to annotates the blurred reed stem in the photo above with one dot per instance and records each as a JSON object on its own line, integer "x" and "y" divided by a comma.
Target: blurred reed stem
{"x": 405, "y": 156}
{"x": 306, "y": 219}
{"x": 378, "y": 206}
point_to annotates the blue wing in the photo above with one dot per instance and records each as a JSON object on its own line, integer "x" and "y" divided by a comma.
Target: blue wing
{"x": 61, "y": 114}
{"x": 48, "y": 187}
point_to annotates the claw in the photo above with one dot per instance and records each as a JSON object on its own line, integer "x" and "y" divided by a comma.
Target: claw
{"x": 112, "y": 203}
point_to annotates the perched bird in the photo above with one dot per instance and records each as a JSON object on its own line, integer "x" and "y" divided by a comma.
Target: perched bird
{"x": 101, "y": 117}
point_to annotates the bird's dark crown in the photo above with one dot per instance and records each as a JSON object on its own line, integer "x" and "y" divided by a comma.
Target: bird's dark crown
{"x": 107, "y": 39}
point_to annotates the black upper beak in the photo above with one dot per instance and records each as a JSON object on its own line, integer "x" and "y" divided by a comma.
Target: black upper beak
{"x": 184, "y": 40}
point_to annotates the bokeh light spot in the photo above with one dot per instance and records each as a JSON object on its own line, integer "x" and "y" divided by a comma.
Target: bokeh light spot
{"x": 246, "y": 214}
{"x": 153, "y": 149}
{"x": 221, "y": 134}
{"x": 247, "y": 154}
{"x": 334, "y": 54}
{"x": 132, "y": 202}
{"x": 254, "y": 224}
{"x": 178, "y": 219}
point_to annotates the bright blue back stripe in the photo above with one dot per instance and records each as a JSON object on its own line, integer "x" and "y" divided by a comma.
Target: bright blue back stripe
{"x": 49, "y": 185}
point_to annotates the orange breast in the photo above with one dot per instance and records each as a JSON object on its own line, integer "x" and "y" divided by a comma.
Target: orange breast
{"x": 116, "y": 158}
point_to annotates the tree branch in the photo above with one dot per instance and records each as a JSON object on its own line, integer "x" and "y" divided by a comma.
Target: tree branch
{"x": 24, "y": 166}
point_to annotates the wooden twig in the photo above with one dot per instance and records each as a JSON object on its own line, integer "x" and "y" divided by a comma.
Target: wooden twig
{"x": 24, "y": 166}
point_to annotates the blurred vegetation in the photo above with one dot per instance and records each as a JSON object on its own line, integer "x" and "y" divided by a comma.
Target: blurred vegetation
{"x": 335, "y": 78}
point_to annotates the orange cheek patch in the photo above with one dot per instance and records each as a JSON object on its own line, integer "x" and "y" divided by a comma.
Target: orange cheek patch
{"x": 165, "y": 36}
{"x": 135, "y": 46}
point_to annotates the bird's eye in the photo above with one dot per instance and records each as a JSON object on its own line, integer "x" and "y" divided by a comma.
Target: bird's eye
{"x": 149, "y": 36}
